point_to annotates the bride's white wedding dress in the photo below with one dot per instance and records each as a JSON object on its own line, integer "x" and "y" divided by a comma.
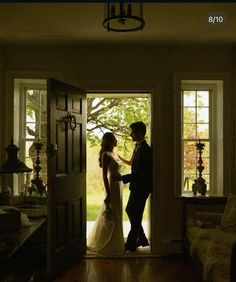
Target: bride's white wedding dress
{"x": 106, "y": 237}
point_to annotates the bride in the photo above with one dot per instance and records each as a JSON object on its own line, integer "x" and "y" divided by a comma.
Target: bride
{"x": 106, "y": 237}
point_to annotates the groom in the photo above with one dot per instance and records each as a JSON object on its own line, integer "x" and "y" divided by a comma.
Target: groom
{"x": 140, "y": 180}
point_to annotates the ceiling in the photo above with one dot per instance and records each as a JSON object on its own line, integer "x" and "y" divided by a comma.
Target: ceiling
{"x": 75, "y": 23}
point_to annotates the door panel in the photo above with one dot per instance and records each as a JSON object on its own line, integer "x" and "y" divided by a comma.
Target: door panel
{"x": 66, "y": 175}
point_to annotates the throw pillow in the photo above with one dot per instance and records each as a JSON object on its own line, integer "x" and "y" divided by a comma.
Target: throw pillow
{"x": 228, "y": 220}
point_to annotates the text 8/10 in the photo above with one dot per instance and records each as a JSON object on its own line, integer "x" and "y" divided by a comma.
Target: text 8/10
{"x": 215, "y": 19}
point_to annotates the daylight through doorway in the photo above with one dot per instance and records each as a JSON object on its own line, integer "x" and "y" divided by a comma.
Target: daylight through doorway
{"x": 113, "y": 112}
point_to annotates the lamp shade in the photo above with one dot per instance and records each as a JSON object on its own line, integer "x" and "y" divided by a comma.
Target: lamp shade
{"x": 13, "y": 164}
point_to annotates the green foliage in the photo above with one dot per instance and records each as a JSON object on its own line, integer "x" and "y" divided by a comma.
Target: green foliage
{"x": 115, "y": 115}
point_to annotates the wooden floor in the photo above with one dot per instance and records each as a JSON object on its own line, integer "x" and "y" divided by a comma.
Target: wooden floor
{"x": 131, "y": 269}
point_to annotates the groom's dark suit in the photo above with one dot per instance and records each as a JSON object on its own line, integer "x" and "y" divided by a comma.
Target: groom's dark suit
{"x": 140, "y": 180}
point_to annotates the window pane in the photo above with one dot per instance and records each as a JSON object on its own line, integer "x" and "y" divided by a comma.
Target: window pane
{"x": 189, "y": 157}
{"x": 206, "y": 165}
{"x": 189, "y": 98}
{"x": 203, "y": 98}
{"x": 29, "y": 162}
{"x": 189, "y": 115}
{"x": 28, "y": 153}
{"x": 32, "y": 98}
{"x": 202, "y": 115}
{"x": 189, "y": 165}
{"x": 30, "y": 114}
{"x": 28, "y": 145}
{"x": 189, "y": 149}
{"x": 189, "y": 131}
{"x": 202, "y": 131}
{"x": 30, "y": 130}
{"x": 206, "y": 151}
{"x": 188, "y": 181}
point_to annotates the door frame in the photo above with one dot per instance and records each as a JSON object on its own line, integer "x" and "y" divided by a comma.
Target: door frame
{"x": 128, "y": 94}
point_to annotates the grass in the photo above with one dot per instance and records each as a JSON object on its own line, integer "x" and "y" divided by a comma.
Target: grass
{"x": 95, "y": 200}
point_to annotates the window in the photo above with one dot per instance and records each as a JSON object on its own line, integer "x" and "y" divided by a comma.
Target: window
{"x": 31, "y": 99}
{"x": 35, "y": 126}
{"x": 196, "y": 126}
{"x": 202, "y": 119}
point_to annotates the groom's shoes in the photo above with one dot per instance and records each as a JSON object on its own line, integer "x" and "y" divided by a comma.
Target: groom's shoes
{"x": 143, "y": 243}
{"x": 130, "y": 248}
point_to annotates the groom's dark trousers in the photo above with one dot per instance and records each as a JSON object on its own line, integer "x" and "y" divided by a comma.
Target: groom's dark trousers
{"x": 140, "y": 180}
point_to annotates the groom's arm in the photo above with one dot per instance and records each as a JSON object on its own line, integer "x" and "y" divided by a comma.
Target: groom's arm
{"x": 136, "y": 169}
{"x": 141, "y": 168}
{"x": 126, "y": 178}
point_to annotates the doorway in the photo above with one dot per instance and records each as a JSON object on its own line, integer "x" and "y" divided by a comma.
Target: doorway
{"x": 113, "y": 112}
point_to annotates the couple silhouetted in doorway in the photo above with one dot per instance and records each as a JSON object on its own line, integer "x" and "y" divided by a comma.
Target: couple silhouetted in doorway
{"x": 106, "y": 237}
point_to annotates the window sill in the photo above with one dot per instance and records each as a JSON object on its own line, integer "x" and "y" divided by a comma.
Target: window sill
{"x": 208, "y": 195}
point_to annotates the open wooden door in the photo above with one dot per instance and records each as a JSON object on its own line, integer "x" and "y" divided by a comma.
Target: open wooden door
{"x": 66, "y": 232}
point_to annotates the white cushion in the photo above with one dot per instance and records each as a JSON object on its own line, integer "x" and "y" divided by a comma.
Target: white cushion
{"x": 228, "y": 220}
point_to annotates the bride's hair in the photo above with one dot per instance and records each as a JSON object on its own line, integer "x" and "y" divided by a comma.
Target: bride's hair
{"x": 107, "y": 145}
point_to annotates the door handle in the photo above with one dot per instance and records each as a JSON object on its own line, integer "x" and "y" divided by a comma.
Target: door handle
{"x": 72, "y": 121}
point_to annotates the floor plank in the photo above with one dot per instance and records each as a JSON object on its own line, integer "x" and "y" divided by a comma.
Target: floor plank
{"x": 131, "y": 269}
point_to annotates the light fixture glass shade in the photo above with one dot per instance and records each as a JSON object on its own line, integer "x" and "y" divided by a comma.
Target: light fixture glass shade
{"x": 13, "y": 164}
{"x": 123, "y": 17}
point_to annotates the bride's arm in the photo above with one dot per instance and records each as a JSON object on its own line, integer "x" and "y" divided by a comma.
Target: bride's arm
{"x": 105, "y": 162}
{"x": 128, "y": 162}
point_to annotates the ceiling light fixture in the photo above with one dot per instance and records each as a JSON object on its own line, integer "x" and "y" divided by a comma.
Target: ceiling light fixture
{"x": 123, "y": 17}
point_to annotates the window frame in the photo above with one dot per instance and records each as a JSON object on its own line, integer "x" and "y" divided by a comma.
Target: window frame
{"x": 220, "y": 84}
{"x": 20, "y": 88}
{"x": 197, "y": 87}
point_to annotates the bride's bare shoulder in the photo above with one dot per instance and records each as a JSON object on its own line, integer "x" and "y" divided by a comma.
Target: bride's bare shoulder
{"x": 106, "y": 155}
{"x": 110, "y": 156}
